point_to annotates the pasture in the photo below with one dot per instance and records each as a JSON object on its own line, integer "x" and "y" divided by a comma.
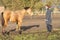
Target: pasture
{"x": 31, "y": 31}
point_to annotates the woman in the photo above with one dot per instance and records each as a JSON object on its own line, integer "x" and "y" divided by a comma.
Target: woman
{"x": 48, "y": 18}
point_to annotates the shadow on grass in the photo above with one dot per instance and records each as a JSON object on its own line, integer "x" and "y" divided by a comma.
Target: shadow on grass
{"x": 23, "y": 28}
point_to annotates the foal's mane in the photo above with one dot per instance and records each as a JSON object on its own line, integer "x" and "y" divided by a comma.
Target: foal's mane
{"x": 26, "y": 8}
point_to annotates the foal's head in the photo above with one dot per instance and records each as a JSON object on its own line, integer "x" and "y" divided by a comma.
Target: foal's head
{"x": 28, "y": 10}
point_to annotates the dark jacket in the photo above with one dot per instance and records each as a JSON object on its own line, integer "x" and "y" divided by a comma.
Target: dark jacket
{"x": 48, "y": 16}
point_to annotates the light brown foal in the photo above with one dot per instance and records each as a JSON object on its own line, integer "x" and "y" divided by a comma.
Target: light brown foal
{"x": 14, "y": 16}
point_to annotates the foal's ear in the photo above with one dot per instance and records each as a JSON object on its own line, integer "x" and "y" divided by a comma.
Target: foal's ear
{"x": 26, "y": 8}
{"x": 5, "y": 6}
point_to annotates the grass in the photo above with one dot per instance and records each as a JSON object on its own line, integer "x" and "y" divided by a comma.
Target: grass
{"x": 34, "y": 36}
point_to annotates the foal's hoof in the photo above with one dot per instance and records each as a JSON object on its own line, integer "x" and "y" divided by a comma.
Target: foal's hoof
{"x": 20, "y": 32}
{"x": 3, "y": 33}
{"x": 7, "y": 33}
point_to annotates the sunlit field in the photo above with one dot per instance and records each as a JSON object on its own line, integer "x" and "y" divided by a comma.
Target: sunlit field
{"x": 33, "y": 36}
{"x": 33, "y": 25}
{"x": 35, "y": 33}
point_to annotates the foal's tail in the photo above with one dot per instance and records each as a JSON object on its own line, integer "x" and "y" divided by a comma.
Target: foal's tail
{"x": 2, "y": 19}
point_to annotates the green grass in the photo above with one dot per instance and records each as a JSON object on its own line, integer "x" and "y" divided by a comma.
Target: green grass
{"x": 35, "y": 36}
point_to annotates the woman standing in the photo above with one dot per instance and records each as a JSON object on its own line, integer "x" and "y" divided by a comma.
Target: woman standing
{"x": 48, "y": 18}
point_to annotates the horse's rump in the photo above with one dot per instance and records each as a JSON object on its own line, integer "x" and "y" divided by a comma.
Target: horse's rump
{"x": 6, "y": 15}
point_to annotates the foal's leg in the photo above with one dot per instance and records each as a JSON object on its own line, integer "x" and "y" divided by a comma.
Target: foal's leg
{"x": 19, "y": 25}
{"x": 4, "y": 26}
{"x": 18, "y": 28}
{"x": 2, "y": 22}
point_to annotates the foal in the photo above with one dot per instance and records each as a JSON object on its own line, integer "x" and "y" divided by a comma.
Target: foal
{"x": 14, "y": 16}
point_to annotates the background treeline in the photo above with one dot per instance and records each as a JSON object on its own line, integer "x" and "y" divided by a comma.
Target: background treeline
{"x": 35, "y": 4}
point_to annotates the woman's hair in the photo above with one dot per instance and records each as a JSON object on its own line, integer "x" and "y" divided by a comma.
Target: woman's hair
{"x": 48, "y": 6}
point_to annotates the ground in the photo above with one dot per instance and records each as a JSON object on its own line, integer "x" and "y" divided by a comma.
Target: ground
{"x": 29, "y": 26}
{"x": 36, "y": 20}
